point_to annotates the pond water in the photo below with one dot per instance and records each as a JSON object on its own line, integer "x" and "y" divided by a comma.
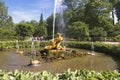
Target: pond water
{"x": 11, "y": 61}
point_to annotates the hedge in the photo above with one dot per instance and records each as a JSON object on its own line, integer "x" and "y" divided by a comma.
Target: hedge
{"x": 98, "y": 46}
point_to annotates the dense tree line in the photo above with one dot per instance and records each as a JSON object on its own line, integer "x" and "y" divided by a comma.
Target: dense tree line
{"x": 79, "y": 19}
{"x": 90, "y": 19}
{"x": 96, "y": 14}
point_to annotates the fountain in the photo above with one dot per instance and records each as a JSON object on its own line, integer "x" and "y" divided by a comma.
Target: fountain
{"x": 54, "y": 47}
{"x": 58, "y": 8}
{"x": 55, "y": 43}
{"x": 17, "y": 47}
{"x": 92, "y": 49}
{"x": 56, "y": 51}
{"x": 33, "y": 60}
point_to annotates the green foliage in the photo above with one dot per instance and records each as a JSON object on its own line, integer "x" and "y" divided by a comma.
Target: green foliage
{"x": 117, "y": 38}
{"x": 34, "y": 23}
{"x": 78, "y": 30}
{"x": 24, "y": 29}
{"x": 99, "y": 47}
{"x": 7, "y": 34}
{"x": 6, "y": 45}
{"x": 98, "y": 34}
{"x": 95, "y": 13}
{"x": 74, "y": 10}
{"x": 79, "y": 45}
{"x": 41, "y": 29}
{"x": 117, "y": 10}
{"x": 113, "y": 50}
{"x": 6, "y": 23}
{"x": 22, "y": 44}
{"x": 67, "y": 75}
{"x": 44, "y": 43}
{"x": 50, "y": 25}
{"x": 5, "y": 19}
{"x": 94, "y": 9}
{"x": 116, "y": 30}
{"x": 115, "y": 7}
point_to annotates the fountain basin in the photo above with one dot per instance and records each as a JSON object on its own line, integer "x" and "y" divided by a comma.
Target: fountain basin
{"x": 99, "y": 62}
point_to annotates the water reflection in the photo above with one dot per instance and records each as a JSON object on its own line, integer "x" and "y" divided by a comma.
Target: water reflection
{"x": 12, "y": 61}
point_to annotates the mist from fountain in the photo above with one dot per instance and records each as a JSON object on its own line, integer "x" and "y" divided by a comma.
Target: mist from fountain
{"x": 60, "y": 23}
{"x": 58, "y": 8}
{"x": 33, "y": 59}
{"x": 92, "y": 49}
{"x": 33, "y": 50}
{"x": 17, "y": 46}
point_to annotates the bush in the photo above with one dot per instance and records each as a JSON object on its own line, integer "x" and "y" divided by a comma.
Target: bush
{"x": 99, "y": 47}
{"x": 22, "y": 44}
{"x": 67, "y": 75}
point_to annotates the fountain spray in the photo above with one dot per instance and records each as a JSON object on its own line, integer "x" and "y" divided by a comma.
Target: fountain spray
{"x": 33, "y": 60}
{"x": 17, "y": 47}
{"x": 33, "y": 51}
{"x": 57, "y": 6}
{"x": 92, "y": 49}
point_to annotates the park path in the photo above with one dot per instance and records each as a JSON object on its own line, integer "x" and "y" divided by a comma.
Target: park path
{"x": 112, "y": 43}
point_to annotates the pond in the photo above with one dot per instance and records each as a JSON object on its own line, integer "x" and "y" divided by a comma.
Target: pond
{"x": 11, "y": 61}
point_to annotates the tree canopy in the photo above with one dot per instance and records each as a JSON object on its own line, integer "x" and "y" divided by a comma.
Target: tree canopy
{"x": 24, "y": 29}
{"x": 80, "y": 19}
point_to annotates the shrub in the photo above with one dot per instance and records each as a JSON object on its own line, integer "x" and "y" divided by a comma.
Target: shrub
{"x": 98, "y": 46}
{"x": 67, "y": 75}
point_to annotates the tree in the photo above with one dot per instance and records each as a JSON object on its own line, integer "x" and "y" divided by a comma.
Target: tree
{"x": 114, "y": 34}
{"x": 96, "y": 9}
{"x": 50, "y": 25}
{"x": 117, "y": 11}
{"x": 9, "y": 34}
{"x": 1, "y": 33}
{"x": 74, "y": 10}
{"x": 35, "y": 24}
{"x": 116, "y": 30}
{"x": 23, "y": 30}
{"x": 113, "y": 3}
{"x": 41, "y": 30}
{"x": 78, "y": 30}
{"x": 98, "y": 34}
{"x": 9, "y": 22}
{"x": 4, "y": 17}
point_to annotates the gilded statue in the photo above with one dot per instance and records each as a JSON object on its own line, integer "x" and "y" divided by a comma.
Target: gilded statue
{"x": 55, "y": 43}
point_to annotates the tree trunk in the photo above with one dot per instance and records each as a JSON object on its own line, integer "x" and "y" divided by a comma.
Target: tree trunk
{"x": 113, "y": 16}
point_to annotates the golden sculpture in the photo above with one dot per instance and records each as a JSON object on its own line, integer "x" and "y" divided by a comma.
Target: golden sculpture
{"x": 55, "y": 43}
